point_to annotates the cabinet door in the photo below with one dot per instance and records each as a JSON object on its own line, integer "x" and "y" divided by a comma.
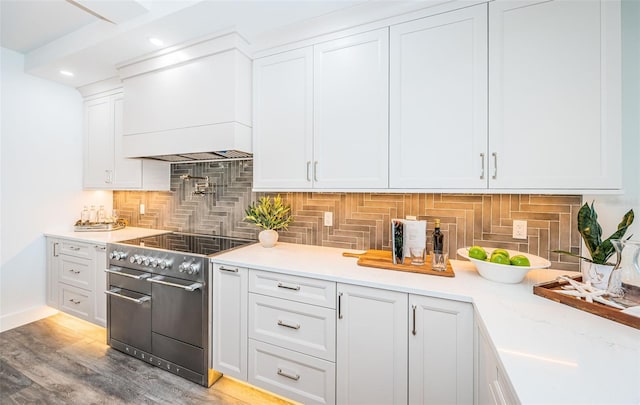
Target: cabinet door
{"x": 494, "y": 387}
{"x": 554, "y": 94}
{"x": 438, "y": 101}
{"x": 440, "y": 351}
{"x": 99, "y": 263}
{"x": 229, "y": 346}
{"x": 53, "y": 269}
{"x": 371, "y": 346}
{"x": 98, "y": 143}
{"x": 283, "y": 120}
{"x": 127, "y": 172}
{"x": 351, "y": 111}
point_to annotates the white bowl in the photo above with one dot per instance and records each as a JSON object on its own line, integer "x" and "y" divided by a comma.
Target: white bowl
{"x": 504, "y": 273}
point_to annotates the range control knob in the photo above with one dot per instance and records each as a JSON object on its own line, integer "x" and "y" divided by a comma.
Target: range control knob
{"x": 165, "y": 264}
{"x": 147, "y": 261}
{"x": 139, "y": 259}
{"x": 121, "y": 255}
{"x": 154, "y": 262}
{"x": 133, "y": 259}
{"x": 193, "y": 268}
{"x": 114, "y": 255}
{"x": 184, "y": 266}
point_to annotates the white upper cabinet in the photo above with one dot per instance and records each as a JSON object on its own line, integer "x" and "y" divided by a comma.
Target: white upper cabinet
{"x": 351, "y": 77}
{"x": 283, "y": 120}
{"x": 438, "y": 101}
{"x": 554, "y": 94}
{"x": 105, "y": 166}
{"x": 321, "y": 116}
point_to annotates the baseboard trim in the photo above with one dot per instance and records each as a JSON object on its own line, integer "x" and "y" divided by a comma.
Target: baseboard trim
{"x": 20, "y": 318}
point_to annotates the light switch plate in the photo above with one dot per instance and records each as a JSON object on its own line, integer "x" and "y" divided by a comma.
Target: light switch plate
{"x": 328, "y": 218}
{"x": 519, "y": 229}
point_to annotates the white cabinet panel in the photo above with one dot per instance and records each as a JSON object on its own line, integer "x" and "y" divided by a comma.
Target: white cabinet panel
{"x": 438, "y": 101}
{"x": 493, "y": 387}
{"x": 229, "y": 346}
{"x": 301, "y": 289}
{"x": 351, "y": 77}
{"x": 440, "y": 351}
{"x": 371, "y": 347}
{"x": 100, "y": 285}
{"x": 283, "y": 120}
{"x": 554, "y": 95}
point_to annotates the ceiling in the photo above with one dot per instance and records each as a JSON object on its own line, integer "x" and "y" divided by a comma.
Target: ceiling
{"x": 90, "y": 37}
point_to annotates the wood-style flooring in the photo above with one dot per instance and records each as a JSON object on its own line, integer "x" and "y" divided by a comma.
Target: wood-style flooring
{"x": 64, "y": 360}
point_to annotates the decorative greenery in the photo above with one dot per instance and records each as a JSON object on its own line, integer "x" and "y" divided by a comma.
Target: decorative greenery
{"x": 591, "y": 232}
{"x": 269, "y": 214}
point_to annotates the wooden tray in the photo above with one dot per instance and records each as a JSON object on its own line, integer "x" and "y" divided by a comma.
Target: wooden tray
{"x": 381, "y": 259}
{"x": 550, "y": 288}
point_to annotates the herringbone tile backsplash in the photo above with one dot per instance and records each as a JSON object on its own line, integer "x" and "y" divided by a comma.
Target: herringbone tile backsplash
{"x": 361, "y": 220}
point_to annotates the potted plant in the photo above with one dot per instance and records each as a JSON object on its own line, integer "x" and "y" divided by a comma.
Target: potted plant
{"x": 271, "y": 215}
{"x": 598, "y": 269}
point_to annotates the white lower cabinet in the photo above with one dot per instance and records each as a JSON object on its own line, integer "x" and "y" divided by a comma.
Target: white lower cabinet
{"x": 294, "y": 375}
{"x": 440, "y": 351}
{"x": 493, "y": 386}
{"x": 230, "y": 288}
{"x": 76, "y": 279}
{"x": 372, "y": 355}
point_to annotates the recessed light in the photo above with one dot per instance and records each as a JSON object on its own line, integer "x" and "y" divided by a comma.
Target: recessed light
{"x": 66, "y": 73}
{"x": 156, "y": 41}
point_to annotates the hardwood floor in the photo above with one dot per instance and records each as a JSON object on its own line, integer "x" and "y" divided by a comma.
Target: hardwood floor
{"x": 64, "y": 360}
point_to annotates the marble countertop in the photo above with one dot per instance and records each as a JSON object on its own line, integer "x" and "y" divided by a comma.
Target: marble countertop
{"x": 107, "y": 236}
{"x": 551, "y": 352}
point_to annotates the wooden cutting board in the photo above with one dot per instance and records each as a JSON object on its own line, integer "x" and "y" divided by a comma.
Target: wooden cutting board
{"x": 381, "y": 259}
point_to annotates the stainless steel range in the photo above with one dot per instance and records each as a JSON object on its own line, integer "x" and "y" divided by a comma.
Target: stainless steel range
{"x": 158, "y": 301}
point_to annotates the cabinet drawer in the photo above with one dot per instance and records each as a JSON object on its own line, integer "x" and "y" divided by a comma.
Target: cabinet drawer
{"x": 75, "y": 249}
{"x": 76, "y": 271}
{"x": 76, "y": 301}
{"x": 301, "y": 327}
{"x": 301, "y": 289}
{"x": 293, "y": 375}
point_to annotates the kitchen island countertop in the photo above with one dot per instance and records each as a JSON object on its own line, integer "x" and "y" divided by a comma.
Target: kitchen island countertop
{"x": 129, "y": 232}
{"x": 552, "y": 353}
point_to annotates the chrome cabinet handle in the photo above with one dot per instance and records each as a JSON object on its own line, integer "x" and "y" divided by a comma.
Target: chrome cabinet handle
{"x": 308, "y": 167}
{"x": 74, "y": 271}
{"x": 294, "y": 377}
{"x": 118, "y": 271}
{"x": 495, "y": 165}
{"x": 114, "y": 292}
{"x": 55, "y": 249}
{"x": 339, "y": 305}
{"x": 74, "y": 248}
{"x": 230, "y": 270}
{"x": 414, "y": 332}
{"x": 482, "y": 171}
{"x": 160, "y": 280}
{"x": 288, "y": 325}
{"x": 315, "y": 171}
{"x": 76, "y": 302}
{"x": 100, "y": 247}
{"x": 289, "y": 287}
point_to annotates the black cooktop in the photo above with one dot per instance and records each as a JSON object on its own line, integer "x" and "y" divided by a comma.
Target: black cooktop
{"x": 189, "y": 243}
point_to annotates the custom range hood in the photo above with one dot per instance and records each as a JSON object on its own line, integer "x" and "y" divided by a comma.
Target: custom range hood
{"x": 190, "y": 102}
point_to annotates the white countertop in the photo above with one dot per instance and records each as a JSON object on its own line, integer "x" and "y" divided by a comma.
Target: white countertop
{"x": 107, "y": 236}
{"x": 551, "y": 352}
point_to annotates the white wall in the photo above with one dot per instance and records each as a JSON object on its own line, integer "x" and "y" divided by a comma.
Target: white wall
{"x": 41, "y": 190}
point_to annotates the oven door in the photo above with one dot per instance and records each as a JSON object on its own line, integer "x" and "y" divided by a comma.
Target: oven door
{"x": 178, "y": 308}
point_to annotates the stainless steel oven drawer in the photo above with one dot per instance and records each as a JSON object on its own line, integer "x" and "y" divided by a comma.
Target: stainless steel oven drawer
{"x": 179, "y": 353}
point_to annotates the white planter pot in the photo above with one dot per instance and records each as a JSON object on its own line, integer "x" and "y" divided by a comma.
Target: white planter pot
{"x": 268, "y": 238}
{"x": 598, "y": 274}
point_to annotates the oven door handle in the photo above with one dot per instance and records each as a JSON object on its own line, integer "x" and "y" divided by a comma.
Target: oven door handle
{"x": 160, "y": 280}
{"x": 114, "y": 292}
{"x": 118, "y": 271}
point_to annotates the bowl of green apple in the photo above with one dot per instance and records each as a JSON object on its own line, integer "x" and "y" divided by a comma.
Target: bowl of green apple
{"x": 503, "y": 265}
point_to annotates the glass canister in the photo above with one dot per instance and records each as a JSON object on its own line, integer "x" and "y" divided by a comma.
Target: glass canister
{"x": 625, "y": 277}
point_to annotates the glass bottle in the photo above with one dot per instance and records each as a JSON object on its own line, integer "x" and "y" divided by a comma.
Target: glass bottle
{"x": 438, "y": 238}
{"x": 84, "y": 216}
{"x": 101, "y": 214}
{"x": 92, "y": 214}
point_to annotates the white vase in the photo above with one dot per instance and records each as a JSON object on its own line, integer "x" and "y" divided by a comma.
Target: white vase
{"x": 598, "y": 274}
{"x": 268, "y": 238}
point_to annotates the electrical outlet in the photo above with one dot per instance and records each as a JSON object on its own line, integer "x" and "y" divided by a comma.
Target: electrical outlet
{"x": 328, "y": 218}
{"x": 519, "y": 229}
{"x": 141, "y": 209}
{"x": 411, "y": 217}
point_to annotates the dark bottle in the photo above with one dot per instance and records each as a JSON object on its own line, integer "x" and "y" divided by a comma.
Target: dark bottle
{"x": 438, "y": 238}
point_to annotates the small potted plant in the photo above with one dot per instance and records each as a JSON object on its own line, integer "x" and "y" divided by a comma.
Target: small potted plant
{"x": 271, "y": 215}
{"x": 598, "y": 269}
